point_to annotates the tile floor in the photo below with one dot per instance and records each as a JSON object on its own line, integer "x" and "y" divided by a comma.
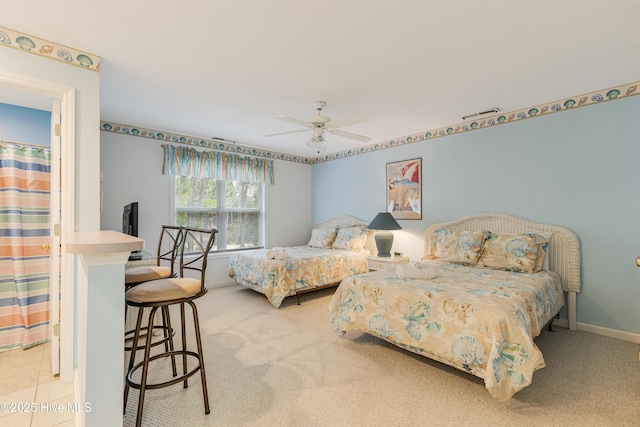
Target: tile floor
{"x": 26, "y": 380}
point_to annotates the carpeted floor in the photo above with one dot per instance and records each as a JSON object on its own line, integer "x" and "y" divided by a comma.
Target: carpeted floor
{"x": 286, "y": 367}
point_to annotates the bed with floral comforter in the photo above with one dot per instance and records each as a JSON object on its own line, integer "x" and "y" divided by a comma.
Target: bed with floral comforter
{"x": 304, "y": 268}
{"x": 338, "y": 248}
{"x": 478, "y": 316}
{"x": 481, "y": 321}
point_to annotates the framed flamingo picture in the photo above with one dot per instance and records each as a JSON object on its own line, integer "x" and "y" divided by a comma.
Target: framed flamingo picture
{"x": 404, "y": 189}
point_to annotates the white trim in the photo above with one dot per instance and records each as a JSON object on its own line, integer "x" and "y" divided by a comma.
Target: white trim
{"x": 68, "y": 203}
{"x": 172, "y": 199}
{"x": 599, "y": 330}
{"x": 265, "y": 215}
{"x": 54, "y": 239}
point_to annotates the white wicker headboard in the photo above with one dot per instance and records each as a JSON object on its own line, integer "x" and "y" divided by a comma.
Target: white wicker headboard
{"x": 563, "y": 253}
{"x": 338, "y": 221}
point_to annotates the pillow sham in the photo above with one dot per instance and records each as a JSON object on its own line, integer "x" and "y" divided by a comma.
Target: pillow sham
{"x": 350, "y": 238}
{"x": 523, "y": 253}
{"x": 545, "y": 263}
{"x": 322, "y": 238}
{"x": 463, "y": 247}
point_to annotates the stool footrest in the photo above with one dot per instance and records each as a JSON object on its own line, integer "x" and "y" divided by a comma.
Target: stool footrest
{"x": 173, "y": 381}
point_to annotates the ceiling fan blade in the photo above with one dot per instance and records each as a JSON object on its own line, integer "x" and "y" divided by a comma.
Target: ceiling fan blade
{"x": 346, "y": 121}
{"x": 349, "y": 135}
{"x": 286, "y": 132}
{"x": 296, "y": 121}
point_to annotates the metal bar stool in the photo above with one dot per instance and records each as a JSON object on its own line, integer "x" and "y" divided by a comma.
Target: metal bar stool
{"x": 162, "y": 293}
{"x": 167, "y": 254}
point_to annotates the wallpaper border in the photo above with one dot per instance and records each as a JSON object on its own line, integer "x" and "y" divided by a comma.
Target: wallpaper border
{"x": 199, "y": 142}
{"x": 595, "y": 97}
{"x": 37, "y": 46}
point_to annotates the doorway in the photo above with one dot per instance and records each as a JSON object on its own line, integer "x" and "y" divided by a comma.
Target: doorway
{"x": 61, "y": 102}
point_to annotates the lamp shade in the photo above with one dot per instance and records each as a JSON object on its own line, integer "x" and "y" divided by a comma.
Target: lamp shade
{"x": 384, "y": 221}
{"x": 384, "y": 239}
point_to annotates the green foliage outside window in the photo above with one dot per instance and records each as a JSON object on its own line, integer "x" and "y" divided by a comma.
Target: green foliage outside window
{"x": 233, "y": 207}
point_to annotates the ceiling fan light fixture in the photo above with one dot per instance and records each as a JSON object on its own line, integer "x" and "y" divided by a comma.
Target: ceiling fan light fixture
{"x": 320, "y": 105}
{"x": 318, "y": 124}
{"x": 317, "y": 143}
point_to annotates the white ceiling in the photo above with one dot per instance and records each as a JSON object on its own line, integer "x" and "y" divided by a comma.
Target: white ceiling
{"x": 227, "y": 68}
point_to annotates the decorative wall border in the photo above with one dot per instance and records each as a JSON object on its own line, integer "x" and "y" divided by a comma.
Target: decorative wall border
{"x": 566, "y": 104}
{"x": 47, "y": 49}
{"x": 199, "y": 142}
{"x": 591, "y": 98}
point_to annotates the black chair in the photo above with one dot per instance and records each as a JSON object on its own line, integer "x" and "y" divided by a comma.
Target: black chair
{"x": 168, "y": 248}
{"x": 163, "y": 293}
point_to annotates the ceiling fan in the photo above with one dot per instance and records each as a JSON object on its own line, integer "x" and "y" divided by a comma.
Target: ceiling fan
{"x": 319, "y": 124}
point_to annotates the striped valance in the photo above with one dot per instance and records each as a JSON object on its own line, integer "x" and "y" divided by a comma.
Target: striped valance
{"x": 185, "y": 161}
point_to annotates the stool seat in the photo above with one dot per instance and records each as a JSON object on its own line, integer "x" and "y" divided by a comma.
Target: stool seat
{"x": 147, "y": 273}
{"x": 164, "y": 290}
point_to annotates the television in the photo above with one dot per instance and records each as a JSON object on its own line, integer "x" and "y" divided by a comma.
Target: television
{"x": 130, "y": 219}
{"x": 130, "y": 226}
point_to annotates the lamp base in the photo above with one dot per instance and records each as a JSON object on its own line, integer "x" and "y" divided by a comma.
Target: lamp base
{"x": 384, "y": 241}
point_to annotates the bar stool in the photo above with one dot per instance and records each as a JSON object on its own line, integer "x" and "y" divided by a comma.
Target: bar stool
{"x": 167, "y": 254}
{"x": 168, "y": 245}
{"x": 163, "y": 293}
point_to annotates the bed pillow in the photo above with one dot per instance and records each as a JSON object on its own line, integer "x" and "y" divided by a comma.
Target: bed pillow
{"x": 545, "y": 263}
{"x": 322, "y": 238}
{"x": 523, "y": 253}
{"x": 457, "y": 246}
{"x": 350, "y": 238}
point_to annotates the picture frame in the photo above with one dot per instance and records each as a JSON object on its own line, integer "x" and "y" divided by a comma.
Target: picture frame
{"x": 404, "y": 189}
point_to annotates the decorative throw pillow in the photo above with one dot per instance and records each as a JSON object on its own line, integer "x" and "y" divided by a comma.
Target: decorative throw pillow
{"x": 350, "y": 238}
{"x": 457, "y": 246}
{"x": 545, "y": 261}
{"x": 523, "y": 253}
{"x": 322, "y": 238}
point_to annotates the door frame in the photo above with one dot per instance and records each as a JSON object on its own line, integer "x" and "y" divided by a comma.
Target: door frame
{"x": 67, "y": 98}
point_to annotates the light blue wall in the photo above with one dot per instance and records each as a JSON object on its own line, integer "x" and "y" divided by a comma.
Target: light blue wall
{"x": 20, "y": 124}
{"x": 578, "y": 169}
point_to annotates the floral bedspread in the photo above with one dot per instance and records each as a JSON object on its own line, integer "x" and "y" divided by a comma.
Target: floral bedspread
{"x": 304, "y": 268}
{"x": 478, "y": 320}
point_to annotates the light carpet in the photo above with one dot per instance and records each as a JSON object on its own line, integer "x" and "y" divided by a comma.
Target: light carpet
{"x": 286, "y": 367}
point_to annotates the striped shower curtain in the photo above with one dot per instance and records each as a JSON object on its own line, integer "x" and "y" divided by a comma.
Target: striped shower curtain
{"x": 24, "y": 228}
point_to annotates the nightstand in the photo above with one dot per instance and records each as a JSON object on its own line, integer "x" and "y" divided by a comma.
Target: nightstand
{"x": 381, "y": 263}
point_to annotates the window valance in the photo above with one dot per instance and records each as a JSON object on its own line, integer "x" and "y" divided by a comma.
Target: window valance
{"x": 186, "y": 161}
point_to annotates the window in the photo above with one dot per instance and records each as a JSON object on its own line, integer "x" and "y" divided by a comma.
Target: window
{"x": 235, "y": 208}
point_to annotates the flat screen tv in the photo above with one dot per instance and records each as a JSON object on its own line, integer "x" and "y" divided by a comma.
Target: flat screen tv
{"x": 130, "y": 219}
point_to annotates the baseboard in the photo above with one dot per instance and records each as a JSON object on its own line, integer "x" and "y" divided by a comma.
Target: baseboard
{"x": 222, "y": 284}
{"x": 599, "y": 330}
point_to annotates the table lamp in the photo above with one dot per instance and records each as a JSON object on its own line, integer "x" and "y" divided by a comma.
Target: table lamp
{"x": 384, "y": 239}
